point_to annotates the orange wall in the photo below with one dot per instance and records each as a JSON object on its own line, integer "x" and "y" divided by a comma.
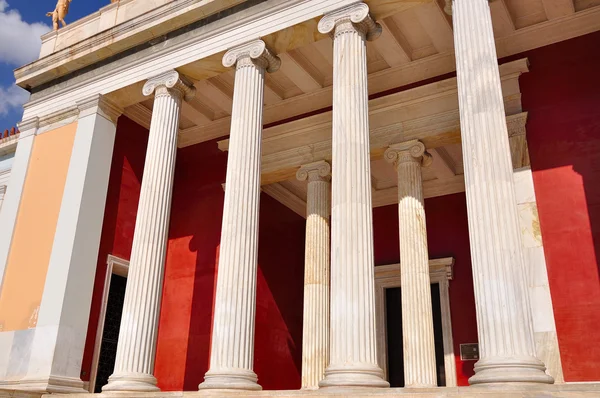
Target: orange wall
{"x": 35, "y": 227}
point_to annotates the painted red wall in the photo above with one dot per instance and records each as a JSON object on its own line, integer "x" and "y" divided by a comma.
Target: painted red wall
{"x": 447, "y": 236}
{"x": 562, "y": 95}
{"x": 185, "y": 324}
{"x": 119, "y": 217}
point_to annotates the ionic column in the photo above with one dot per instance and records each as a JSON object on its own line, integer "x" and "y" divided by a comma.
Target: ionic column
{"x": 353, "y": 354}
{"x": 507, "y": 350}
{"x": 232, "y": 350}
{"x": 134, "y": 365}
{"x": 315, "y": 334}
{"x": 417, "y": 315}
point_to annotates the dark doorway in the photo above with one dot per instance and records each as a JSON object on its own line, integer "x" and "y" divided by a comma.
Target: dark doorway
{"x": 395, "y": 351}
{"x": 110, "y": 335}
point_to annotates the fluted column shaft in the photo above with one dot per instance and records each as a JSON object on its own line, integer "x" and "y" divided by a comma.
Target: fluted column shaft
{"x": 353, "y": 355}
{"x": 315, "y": 334}
{"x": 134, "y": 365}
{"x": 417, "y": 314}
{"x": 232, "y": 349}
{"x": 506, "y": 343}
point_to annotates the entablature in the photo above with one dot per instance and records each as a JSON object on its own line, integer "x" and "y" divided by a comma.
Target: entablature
{"x": 416, "y": 44}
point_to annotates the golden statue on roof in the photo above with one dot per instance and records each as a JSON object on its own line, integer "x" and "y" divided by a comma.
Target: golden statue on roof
{"x": 59, "y": 13}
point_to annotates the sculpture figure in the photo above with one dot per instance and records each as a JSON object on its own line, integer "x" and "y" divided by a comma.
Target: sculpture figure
{"x": 59, "y": 13}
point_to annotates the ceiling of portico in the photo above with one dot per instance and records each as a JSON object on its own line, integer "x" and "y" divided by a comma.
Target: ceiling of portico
{"x": 416, "y": 44}
{"x": 428, "y": 113}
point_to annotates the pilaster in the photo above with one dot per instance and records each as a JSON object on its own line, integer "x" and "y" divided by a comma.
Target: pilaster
{"x": 54, "y": 347}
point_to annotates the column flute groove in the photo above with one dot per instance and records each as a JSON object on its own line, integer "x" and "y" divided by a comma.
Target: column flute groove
{"x": 315, "y": 335}
{"x": 232, "y": 348}
{"x": 353, "y": 352}
{"x": 136, "y": 349}
{"x": 507, "y": 350}
{"x": 417, "y": 314}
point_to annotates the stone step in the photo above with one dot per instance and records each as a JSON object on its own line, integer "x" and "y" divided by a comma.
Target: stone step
{"x": 575, "y": 390}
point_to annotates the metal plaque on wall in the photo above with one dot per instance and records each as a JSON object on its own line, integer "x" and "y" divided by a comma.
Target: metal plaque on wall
{"x": 469, "y": 352}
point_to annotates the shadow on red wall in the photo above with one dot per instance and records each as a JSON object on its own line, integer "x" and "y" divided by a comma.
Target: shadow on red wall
{"x": 562, "y": 95}
{"x": 447, "y": 236}
{"x": 188, "y": 295}
{"x": 195, "y": 227}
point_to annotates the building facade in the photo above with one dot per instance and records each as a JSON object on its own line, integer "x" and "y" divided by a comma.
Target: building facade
{"x": 307, "y": 197}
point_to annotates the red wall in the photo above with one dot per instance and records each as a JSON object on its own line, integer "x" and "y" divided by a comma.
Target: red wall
{"x": 119, "y": 217}
{"x": 187, "y": 303}
{"x": 195, "y": 231}
{"x": 562, "y": 95}
{"x": 447, "y": 236}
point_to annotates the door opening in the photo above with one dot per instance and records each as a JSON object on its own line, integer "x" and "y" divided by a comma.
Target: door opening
{"x": 395, "y": 353}
{"x": 110, "y": 335}
{"x": 107, "y": 334}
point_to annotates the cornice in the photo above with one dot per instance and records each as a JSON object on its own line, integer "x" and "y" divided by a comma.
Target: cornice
{"x": 353, "y": 17}
{"x": 58, "y": 119}
{"x": 256, "y": 52}
{"x": 156, "y": 19}
{"x": 208, "y": 40}
{"x": 96, "y": 104}
{"x": 100, "y": 105}
{"x": 28, "y": 127}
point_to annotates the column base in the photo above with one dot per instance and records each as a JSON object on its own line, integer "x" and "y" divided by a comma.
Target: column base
{"x": 131, "y": 382}
{"x": 230, "y": 379}
{"x": 510, "y": 370}
{"x": 52, "y": 384}
{"x": 360, "y": 375}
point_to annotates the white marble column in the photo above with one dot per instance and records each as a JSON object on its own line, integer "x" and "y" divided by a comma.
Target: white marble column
{"x": 353, "y": 354}
{"x": 417, "y": 315}
{"x": 315, "y": 334}
{"x": 134, "y": 365}
{"x": 232, "y": 349}
{"x": 506, "y": 343}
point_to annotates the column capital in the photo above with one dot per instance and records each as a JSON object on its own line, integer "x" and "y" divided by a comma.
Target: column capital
{"x": 409, "y": 151}
{"x": 252, "y": 53}
{"x": 170, "y": 82}
{"x": 101, "y": 105}
{"x": 355, "y": 17}
{"x": 448, "y": 7}
{"x": 317, "y": 171}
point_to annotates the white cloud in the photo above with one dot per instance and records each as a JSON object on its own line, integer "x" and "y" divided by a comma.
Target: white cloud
{"x": 20, "y": 43}
{"x": 12, "y": 97}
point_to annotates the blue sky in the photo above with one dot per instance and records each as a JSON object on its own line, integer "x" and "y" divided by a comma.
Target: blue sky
{"x": 22, "y": 22}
